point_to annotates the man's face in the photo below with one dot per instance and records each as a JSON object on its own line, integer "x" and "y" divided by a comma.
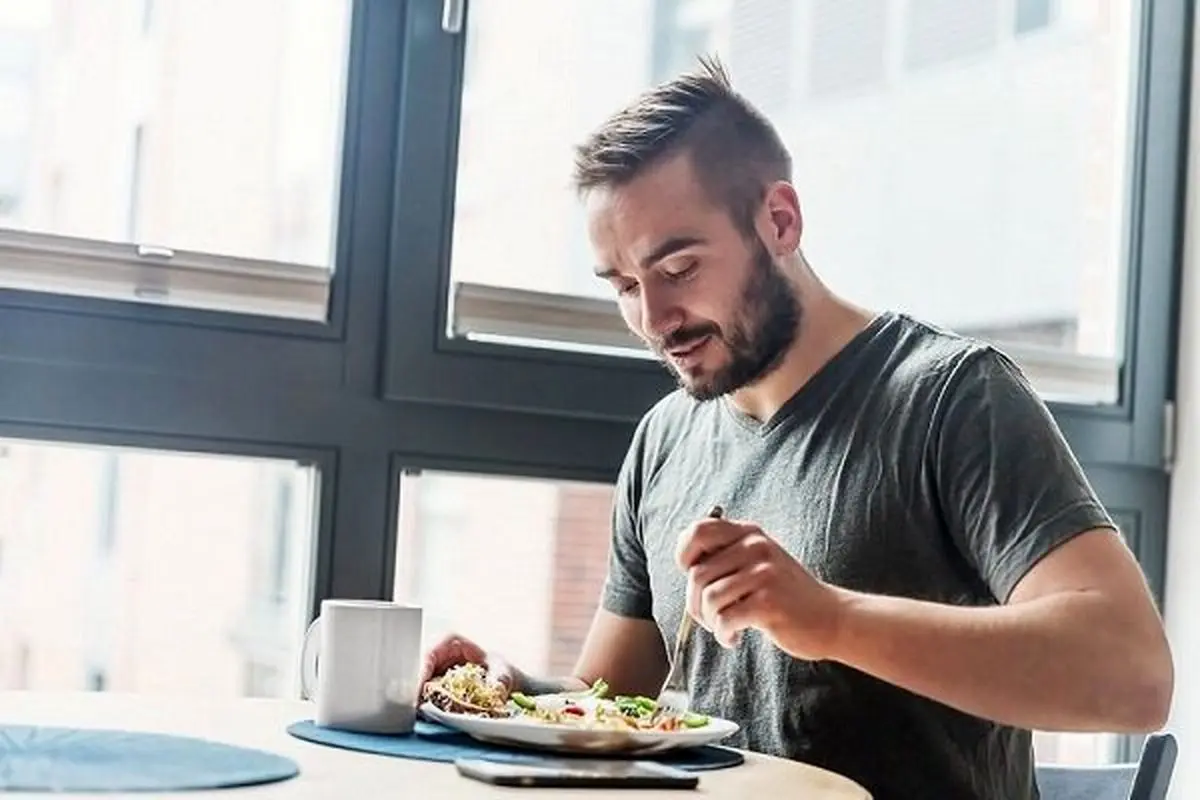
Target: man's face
{"x": 714, "y": 307}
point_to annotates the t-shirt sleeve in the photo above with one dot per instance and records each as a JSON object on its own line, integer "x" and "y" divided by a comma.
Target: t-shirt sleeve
{"x": 626, "y": 589}
{"x": 1011, "y": 490}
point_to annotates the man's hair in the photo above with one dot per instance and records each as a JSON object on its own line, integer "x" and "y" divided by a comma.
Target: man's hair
{"x": 733, "y": 148}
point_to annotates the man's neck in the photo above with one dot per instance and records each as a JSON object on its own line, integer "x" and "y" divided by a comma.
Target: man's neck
{"x": 827, "y": 325}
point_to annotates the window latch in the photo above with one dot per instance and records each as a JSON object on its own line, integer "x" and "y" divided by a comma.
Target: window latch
{"x": 452, "y": 15}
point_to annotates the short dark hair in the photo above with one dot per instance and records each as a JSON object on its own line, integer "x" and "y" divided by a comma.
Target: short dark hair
{"x": 734, "y": 149}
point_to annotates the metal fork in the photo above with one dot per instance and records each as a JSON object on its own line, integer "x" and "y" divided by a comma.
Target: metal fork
{"x": 673, "y": 696}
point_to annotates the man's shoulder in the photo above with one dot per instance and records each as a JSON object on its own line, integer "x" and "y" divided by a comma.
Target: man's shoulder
{"x": 670, "y": 418}
{"x": 948, "y": 373}
{"x": 927, "y": 358}
{"x": 662, "y": 428}
{"x": 923, "y": 347}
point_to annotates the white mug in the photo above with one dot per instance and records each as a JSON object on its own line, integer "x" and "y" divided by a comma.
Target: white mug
{"x": 370, "y": 664}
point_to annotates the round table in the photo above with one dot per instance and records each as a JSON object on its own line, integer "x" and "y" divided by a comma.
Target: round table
{"x": 330, "y": 772}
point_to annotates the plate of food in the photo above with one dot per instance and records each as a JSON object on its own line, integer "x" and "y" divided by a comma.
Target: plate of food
{"x": 577, "y": 722}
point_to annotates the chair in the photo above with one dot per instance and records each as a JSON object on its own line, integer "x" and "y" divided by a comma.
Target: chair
{"x": 1148, "y": 779}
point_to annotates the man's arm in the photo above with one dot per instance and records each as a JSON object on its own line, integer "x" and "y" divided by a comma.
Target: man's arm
{"x": 1075, "y": 642}
{"x": 627, "y": 653}
{"x": 1079, "y": 645}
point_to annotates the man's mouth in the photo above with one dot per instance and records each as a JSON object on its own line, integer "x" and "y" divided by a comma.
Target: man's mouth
{"x": 685, "y": 352}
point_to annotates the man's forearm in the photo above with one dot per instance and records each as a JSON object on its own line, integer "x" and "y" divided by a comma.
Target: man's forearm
{"x": 1063, "y": 662}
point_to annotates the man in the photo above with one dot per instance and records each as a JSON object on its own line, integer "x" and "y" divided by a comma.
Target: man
{"x": 912, "y": 571}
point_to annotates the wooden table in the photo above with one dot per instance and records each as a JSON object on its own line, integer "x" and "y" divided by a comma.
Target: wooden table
{"x": 327, "y": 772}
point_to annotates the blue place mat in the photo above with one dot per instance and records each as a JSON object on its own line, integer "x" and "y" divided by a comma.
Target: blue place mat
{"x": 36, "y": 759}
{"x": 432, "y": 742}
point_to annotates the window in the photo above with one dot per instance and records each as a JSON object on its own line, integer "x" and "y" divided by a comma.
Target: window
{"x": 683, "y": 29}
{"x": 135, "y": 184}
{"x": 147, "y": 15}
{"x": 1076, "y": 749}
{"x": 847, "y": 46}
{"x": 231, "y": 198}
{"x": 18, "y": 60}
{"x": 108, "y": 505}
{"x": 540, "y": 547}
{"x": 939, "y": 31}
{"x": 96, "y": 680}
{"x": 180, "y": 599}
{"x": 1033, "y": 15}
{"x": 959, "y": 189}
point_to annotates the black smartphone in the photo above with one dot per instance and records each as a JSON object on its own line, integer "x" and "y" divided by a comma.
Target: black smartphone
{"x": 579, "y": 772}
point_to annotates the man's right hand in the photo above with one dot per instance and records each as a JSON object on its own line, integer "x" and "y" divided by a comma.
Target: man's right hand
{"x": 454, "y": 650}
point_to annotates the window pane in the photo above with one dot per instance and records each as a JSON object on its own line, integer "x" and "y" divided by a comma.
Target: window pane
{"x": 1075, "y": 749}
{"x": 548, "y": 542}
{"x": 949, "y": 166}
{"x": 152, "y": 572}
{"x": 539, "y": 551}
{"x": 198, "y": 127}
{"x": 1033, "y": 15}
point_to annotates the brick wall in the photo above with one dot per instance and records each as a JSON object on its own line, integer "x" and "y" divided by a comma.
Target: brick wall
{"x": 581, "y": 538}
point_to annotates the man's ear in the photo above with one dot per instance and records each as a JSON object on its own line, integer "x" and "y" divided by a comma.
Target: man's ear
{"x": 783, "y": 220}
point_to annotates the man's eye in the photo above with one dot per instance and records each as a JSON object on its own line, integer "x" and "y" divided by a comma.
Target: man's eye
{"x": 627, "y": 287}
{"x": 683, "y": 270}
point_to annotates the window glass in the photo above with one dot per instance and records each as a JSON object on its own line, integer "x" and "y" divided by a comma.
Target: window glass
{"x": 152, "y": 571}
{"x": 947, "y": 166}
{"x": 190, "y": 128}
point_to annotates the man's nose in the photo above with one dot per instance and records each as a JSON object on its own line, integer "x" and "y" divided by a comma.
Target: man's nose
{"x": 660, "y": 316}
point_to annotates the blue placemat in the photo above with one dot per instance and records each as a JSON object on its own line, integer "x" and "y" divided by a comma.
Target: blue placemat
{"x": 36, "y": 759}
{"x": 433, "y": 742}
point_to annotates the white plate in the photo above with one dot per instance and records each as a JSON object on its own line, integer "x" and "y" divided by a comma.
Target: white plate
{"x": 528, "y": 733}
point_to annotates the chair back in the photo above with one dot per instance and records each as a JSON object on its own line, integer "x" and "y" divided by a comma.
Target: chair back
{"x": 1148, "y": 779}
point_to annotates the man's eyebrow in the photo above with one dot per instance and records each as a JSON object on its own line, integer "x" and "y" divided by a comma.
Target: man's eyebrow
{"x": 606, "y": 272}
{"x": 670, "y": 247}
{"x": 667, "y": 248}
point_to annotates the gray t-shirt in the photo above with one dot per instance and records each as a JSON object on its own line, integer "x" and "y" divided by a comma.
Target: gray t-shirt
{"x": 915, "y": 463}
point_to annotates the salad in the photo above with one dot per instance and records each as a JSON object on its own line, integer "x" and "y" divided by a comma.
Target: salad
{"x": 465, "y": 689}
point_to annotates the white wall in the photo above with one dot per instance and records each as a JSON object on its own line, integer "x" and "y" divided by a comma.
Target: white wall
{"x": 1183, "y": 547}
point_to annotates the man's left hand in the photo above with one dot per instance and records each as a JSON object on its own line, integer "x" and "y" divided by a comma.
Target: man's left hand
{"x": 739, "y": 578}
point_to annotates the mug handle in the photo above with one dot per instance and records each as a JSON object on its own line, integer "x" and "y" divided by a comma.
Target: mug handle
{"x": 308, "y": 660}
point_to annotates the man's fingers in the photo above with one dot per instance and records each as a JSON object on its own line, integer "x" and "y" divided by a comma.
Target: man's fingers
{"x": 427, "y": 666}
{"x": 736, "y": 617}
{"x": 450, "y": 652}
{"x": 499, "y": 671}
{"x": 721, "y": 595}
{"x": 734, "y": 557}
{"x": 707, "y": 537}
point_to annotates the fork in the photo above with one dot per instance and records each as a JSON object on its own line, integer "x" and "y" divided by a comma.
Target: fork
{"x": 673, "y": 696}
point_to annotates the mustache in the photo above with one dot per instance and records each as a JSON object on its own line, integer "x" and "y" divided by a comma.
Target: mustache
{"x": 686, "y": 336}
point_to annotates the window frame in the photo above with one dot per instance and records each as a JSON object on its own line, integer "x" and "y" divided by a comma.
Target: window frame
{"x": 424, "y": 365}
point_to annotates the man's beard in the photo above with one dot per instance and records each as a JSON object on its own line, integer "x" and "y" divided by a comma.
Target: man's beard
{"x": 761, "y": 334}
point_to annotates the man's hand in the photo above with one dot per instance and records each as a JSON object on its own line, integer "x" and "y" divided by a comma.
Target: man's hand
{"x": 739, "y": 577}
{"x": 454, "y": 650}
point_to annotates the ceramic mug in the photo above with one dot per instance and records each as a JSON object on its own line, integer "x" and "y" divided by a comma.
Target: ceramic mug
{"x": 361, "y": 664}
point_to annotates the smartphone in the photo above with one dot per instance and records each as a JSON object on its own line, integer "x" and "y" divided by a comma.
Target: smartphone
{"x": 579, "y": 772}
